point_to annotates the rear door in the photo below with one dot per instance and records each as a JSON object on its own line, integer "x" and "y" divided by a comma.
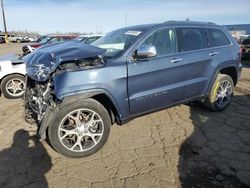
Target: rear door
{"x": 222, "y": 50}
{"x": 156, "y": 82}
{"x": 197, "y": 60}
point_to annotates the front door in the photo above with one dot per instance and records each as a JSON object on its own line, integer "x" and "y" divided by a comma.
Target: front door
{"x": 156, "y": 82}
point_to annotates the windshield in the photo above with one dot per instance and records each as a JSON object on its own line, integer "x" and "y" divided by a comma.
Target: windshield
{"x": 116, "y": 42}
{"x": 45, "y": 40}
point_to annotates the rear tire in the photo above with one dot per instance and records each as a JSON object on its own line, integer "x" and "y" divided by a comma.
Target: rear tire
{"x": 13, "y": 86}
{"x": 221, "y": 93}
{"x": 79, "y": 129}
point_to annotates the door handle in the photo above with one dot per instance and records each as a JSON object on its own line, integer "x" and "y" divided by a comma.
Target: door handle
{"x": 213, "y": 53}
{"x": 176, "y": 60}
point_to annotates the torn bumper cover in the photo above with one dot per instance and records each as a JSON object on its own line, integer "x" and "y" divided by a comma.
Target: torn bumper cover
{"x": 45, "y": 60}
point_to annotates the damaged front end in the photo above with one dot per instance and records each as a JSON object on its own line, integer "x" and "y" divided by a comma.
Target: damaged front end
{"x": 46, "y": 63}
{"x": 38, "y": 97}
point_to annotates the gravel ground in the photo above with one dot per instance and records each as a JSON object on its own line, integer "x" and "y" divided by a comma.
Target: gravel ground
{"x": 183, "y": 146}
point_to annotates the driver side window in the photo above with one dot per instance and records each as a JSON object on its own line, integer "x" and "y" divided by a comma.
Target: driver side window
{"x": 164, "y": 40}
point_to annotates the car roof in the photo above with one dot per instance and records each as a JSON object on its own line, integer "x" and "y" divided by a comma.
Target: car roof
{"x": 62, "y": 35}
{"x": 92, "y": 35}
{"x": 189, "y": 23}
{"x": 174, "y": 23}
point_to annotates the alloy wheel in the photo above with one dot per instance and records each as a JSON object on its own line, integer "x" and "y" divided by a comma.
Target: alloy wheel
{"x": 15, "y": 87}
{"x": 81, "y": 130}
{"x": 224, "y": 93}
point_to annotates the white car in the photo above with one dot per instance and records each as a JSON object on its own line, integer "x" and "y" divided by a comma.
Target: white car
{"x": 15, "y": 38}
{"x": 31, "y": 39}
{"x": 12, "y": 76}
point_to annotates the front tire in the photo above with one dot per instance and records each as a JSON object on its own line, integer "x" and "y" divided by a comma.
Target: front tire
{"x": 221, "y": 93}
{"x": 13, "y": 86}
{"x": 79, "y": 129}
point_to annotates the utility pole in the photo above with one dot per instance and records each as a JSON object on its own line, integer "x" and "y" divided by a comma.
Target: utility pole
{"x": 4, "y": 23}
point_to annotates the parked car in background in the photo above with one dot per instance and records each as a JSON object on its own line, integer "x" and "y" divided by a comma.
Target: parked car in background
{"x": 47, "y": 40}
{"x": 76, "y": 91}
{"x": 245, "y": 46}
{"x": 39, "y": 39}
{"x": 88, "y": 39}
{"x": 2, "y": 39}
{"x": 32, "y": 39}
{"x": 25, "y": 39}
{"x": 15, "y": 38}
{"x": 243, "y": 37}
{"x": 12, "y": 76}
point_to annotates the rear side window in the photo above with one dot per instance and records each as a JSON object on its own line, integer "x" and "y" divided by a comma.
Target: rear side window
{"x": 217, "y": 38}
{"x": 191, "y": 39}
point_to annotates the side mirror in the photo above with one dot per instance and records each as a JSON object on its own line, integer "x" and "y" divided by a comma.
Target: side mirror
{"x": 145, "y": 51}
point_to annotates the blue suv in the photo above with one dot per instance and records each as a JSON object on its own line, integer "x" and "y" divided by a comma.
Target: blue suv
{"x": 76, "y": 91}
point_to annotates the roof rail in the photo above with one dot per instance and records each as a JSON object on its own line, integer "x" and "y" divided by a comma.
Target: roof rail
{"x": 174, "y": 21}
{"x": 211, "y": 23}
{"x": 170, "y": 21}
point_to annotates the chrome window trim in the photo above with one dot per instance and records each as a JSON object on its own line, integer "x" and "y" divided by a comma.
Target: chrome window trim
{"x": 130, "y": 54}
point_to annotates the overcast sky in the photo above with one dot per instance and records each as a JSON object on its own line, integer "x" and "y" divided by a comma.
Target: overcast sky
{"x": 47, "y": 16}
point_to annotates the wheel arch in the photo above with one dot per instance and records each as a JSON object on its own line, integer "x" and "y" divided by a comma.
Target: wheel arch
{"x": 11, "y": 74}
{"x": 101, "y": 95}
{"x": 232, "y": 72}
{"x": 228, "y": 70}
{"x": 98, "y": 95}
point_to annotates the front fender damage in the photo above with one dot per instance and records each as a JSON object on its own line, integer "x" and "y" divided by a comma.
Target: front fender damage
{"x": 42, "y": 65}
{"x": 52, "y": 110}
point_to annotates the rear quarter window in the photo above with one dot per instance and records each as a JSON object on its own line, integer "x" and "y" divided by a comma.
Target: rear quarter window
{"x": 217, "y": 37}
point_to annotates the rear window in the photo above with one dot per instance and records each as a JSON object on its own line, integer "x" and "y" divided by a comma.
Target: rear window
{"x": 191, "y": 39}
{"x": 217, "y": 38}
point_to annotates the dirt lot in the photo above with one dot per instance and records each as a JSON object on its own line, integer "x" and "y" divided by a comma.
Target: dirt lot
{"x": 183, "y": 146}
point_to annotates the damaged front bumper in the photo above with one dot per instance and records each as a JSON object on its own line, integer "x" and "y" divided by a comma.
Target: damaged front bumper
{"x": 37, "y": 98}
{"x": 39, "y": 102}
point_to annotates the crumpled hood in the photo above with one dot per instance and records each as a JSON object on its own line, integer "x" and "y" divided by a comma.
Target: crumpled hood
{"x": 44, "y": 60}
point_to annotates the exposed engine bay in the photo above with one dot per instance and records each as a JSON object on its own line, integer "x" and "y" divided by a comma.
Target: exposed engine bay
{"x": 38, "y": 97}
